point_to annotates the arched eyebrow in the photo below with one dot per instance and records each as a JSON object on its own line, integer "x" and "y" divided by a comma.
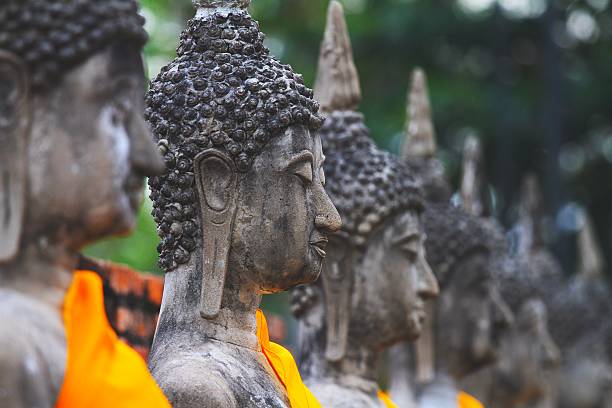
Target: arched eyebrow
{"x": 410, "y": 235}
{"x": 304, "y": 155}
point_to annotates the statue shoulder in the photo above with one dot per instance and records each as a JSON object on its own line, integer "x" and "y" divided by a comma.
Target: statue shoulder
{"x": 189, "y": 382}
{"x": 334, "y": 395}
{"x": 32, "y": 351}
{"x": 24, "y": 375}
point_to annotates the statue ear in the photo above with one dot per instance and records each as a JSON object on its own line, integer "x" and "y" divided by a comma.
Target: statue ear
{"x": 14, "y": 123}
{"x": 337, "y": 277}
{"x": 216, "y": 180}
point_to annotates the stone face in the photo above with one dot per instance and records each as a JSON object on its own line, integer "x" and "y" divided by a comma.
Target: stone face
{"x": 75, "y": 151}
{"x": 375, "y": 280}
{"x": 241, "y": 210}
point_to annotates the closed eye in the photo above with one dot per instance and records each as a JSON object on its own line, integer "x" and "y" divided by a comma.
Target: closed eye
{"x": 409, "y": 245}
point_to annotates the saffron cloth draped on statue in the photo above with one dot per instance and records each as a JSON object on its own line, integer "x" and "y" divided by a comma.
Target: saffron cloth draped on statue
{"x": 465, "y": 400}
{"x": 101, "y": 370}
{"x": 284, "y": 366}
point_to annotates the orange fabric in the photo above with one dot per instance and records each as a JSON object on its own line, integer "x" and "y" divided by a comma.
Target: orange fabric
{"x": 384, "y": 397}
{"x": 465, "y": 400}
{"x": 101, "y": 370}
{"x": 284, "y": 366}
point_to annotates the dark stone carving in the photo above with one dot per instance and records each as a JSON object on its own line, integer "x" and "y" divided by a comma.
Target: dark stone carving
{"x": 527, "y": 354}
{"x": 74, "y": 151}
{"x": 223, "y": 91}
{"x": 52, "y": 36}
{"x": 241, "y": 210}
{"x": 375, "y": 280}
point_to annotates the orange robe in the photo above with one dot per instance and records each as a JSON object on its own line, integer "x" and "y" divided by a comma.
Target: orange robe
{"x": 101, "y": 370}
{"x": 286, "y": 370}
{"x": 465, "y": 400}
{"x": 284, "y": 366}
{"x": 384, "y": 397}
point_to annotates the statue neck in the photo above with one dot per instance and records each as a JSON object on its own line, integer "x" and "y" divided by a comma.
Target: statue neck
{"x": 449, "y": 363}
{"x": 236, "y": 322}
{"x": 42, "y": 270}
{"x": 357, "y": 369}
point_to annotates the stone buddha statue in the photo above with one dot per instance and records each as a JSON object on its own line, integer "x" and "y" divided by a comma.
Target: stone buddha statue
{"x": 470, "y": 315}
{"x": 580, "y": 324}
{"x": 375, "y": 280}
{"x": 527, "y": 354}
{"x": 74, "y": 151}
{"x": 419, "y": 153}
{"x": 241, "y": 210}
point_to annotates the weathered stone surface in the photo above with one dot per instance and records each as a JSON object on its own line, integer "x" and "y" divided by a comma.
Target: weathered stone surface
{"x": 241, "y": 211}
{"x": 75, "y": 151}
{"x": 375, "y": 281}
{"x": 469, "y": 315}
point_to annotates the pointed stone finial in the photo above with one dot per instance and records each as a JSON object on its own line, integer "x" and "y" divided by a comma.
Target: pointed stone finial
{"x": 221, "y": 3}
{"x": 337, "y": 85}
{"x": 420, "y": 137}
{"x": 591, "y": 259}
{"x": 529, "y": 215}
{"x": 471, "y": 182}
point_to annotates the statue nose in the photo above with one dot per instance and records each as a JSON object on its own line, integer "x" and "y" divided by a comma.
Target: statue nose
{"x": 327, "y": 217}
{"x": 329, "y": 222}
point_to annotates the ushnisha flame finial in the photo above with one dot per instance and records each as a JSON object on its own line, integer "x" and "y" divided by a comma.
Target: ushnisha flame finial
{"x": 420, "y": 136}
{"x": 591, "y": 259}
{"x": 337, "y": 85}
{"x": 471, "y": 182}
{"x": 216, "y": 4}
{"x": 529, "y": 214}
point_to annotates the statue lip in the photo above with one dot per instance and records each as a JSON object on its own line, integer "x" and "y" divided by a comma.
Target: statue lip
{"x": 319, "y": 244}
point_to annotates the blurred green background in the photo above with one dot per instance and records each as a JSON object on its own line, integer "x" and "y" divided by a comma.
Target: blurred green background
{"x": 531, "y": 78}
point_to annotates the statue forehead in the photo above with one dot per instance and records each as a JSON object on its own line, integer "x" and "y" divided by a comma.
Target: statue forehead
{"x": 297, "y": 139}
{"x": 92, "y": 75}
{"x": 406, "y": 224}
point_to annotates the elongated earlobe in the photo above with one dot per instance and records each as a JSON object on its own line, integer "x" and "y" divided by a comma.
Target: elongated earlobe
{"x": 216, "y": 180}
{"x": 337, "y": 280}
{"x": 14, "y": 127}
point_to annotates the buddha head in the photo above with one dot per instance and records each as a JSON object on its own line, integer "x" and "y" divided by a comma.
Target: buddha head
{"x": 528, "y": 354}
{"x": 244, "y": 186}
{"x": 470, "y": 315}
{"x": 71, "y": 127}
{"x": 376, "y": 278}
